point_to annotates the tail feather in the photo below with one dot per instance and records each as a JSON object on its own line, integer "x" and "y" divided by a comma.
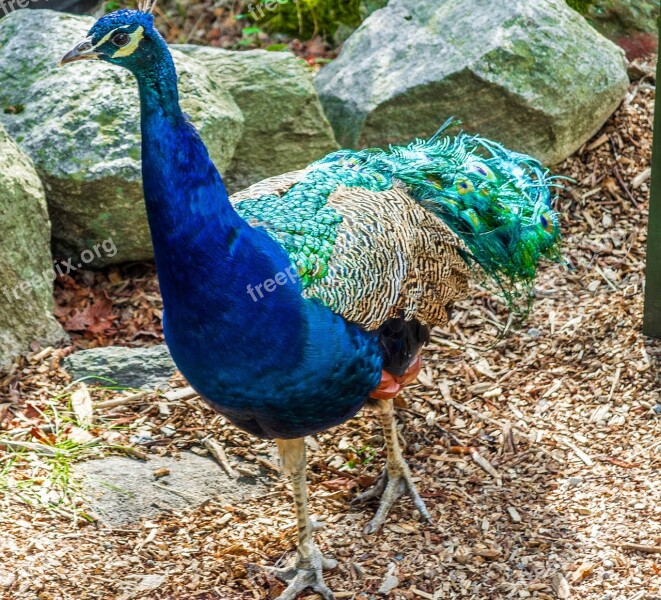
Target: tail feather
{"x": 497, "y": 201}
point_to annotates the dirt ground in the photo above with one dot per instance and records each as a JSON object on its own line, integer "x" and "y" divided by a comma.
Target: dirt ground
{"x": 538, "y": 455}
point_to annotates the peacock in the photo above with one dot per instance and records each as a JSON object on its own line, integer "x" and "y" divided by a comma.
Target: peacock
{"x": 295, "y": 303}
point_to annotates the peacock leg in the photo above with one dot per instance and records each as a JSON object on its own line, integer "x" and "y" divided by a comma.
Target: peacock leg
{"x": 307, "y": 569}
{"x": 395, "y": 480}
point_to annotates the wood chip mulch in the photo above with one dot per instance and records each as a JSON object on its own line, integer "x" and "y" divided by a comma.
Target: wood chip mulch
{"x": 539, "y": 455}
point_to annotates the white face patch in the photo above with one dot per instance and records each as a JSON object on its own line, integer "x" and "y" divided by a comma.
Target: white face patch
{"x": 136, "y": 37}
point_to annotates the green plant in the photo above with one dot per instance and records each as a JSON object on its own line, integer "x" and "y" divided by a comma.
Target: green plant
{"x": 359, "y": 456}
{"x": 582, "y": 6}
{"x": 307, "y": 18}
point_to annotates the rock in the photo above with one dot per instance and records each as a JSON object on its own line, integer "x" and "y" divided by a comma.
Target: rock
{"x": 26, "y": 274}
{"x": 80, "y": 126}
{"x": 285, "y": 126}
{"x": 502, "y": 68}
{"x": 124, "y": 490}
{"x": 145, "y": 368}
{"x": 390, "y": 581}
{"x": 632, "y": 24}
{"x": 366, "y": 8}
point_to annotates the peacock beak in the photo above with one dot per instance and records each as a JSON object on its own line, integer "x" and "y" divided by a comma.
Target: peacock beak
{"x": 83, "y": 51}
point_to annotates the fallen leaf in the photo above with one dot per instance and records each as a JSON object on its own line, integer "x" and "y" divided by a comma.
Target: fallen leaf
{"x": 583, "y": 571}
{"x": 341, "y": 484}
{"x": 79, "y": 435}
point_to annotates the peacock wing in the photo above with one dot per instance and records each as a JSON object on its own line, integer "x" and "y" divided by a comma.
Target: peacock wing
{"x": 391, "y": 258}
{"x": 367, "y": 255}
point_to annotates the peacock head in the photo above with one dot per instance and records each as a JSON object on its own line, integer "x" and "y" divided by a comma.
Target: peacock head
{"x": 126, "y": 38}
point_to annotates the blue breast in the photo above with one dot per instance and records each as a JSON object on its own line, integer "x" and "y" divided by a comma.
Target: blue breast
{"x": 276, "y": 366}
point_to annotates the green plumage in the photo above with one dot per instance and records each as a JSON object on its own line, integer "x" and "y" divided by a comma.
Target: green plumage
{"x": 497, "y": 201}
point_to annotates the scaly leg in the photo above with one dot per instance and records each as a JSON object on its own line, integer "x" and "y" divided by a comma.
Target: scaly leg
{"x": 395, "y": 480}
{"x": 306, "y": 572}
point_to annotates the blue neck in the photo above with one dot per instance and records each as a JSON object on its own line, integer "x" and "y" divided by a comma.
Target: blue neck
{"x": 280, "y": 366}
{"x": 205, "y": 253}
{"x": 187, "y": 203}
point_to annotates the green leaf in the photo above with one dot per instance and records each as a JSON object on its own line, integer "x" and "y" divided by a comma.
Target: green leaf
{"x": 252, "y": 30}
{"x": 277, "y": 47}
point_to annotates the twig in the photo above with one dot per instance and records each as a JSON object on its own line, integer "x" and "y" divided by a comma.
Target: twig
{"x": 608, "y": 281}
{"x": 642, "y": 548}
{"x": 421, "y": 594}
{"x": 39, "y": 448}
{"x": 576, "y": 450}
{"x": 185, "y": 495}
{"x": 267, "y": 463}
{"x": 630, "y": 459}
{"x": 616, "y": 380}
{"x": 485, "y": 465}
{"x": 131, "y": 451}
{"x": 122, "y": 401}
{"x": 624, "y": 186}
{"x": 191, "y": 33}
{"x": 181, "y": 394}
{"x": 218, "y": 452}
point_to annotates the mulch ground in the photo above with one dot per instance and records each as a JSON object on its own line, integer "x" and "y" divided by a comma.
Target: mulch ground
{"x": 539, "y": 455}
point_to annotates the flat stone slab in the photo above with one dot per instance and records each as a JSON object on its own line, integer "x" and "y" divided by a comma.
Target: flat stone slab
{"x": 146, "y": 368}
{"x": 123, "y": 490}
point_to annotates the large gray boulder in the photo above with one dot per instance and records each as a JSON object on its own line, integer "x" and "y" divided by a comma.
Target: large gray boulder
{"x": 81, "y": 127}
{"x": 26, "y": 268}
{"x": 531, "y": 75}
{"x": 285, "y": 126}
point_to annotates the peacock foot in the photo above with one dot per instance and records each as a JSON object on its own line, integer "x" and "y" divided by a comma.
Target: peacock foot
{"x": 394, "y": 482}
{"x": 305, "y": 573}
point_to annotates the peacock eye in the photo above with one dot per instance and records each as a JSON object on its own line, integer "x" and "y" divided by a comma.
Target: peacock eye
{"x": 121, "y": 39}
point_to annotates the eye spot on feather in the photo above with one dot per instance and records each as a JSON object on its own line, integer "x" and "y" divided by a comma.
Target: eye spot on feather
{"x": 464, "y": 187}
{"x": 482, "y": 170}
{"x": 547, "y": 222}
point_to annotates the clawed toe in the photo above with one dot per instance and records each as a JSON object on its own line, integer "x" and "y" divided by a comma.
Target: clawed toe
{"x": 376, "y": 491}
{"x": 304, "y": 574}
{"x": 391, "y": 486}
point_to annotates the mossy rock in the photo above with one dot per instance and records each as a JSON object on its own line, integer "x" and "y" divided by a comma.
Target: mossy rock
{"x": 26, "y": 268}
{"x": 81, "y": 127}
{"x": 501, "y": 68}
{"x": 285, "y": 126}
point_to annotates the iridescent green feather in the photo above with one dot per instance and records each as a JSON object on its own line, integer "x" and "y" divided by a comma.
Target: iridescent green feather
{"x": 497, "y": 201}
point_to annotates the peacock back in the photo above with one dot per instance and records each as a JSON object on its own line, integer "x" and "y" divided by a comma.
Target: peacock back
{"x": 376, "y": 234}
